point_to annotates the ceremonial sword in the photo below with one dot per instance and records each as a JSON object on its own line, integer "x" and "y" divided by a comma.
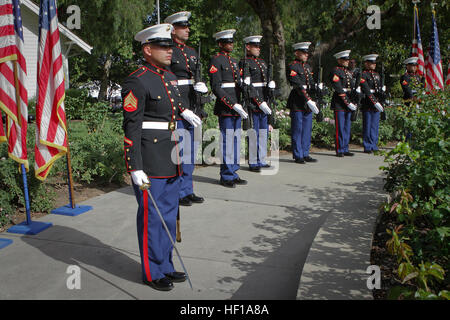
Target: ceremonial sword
{"x": 145, "y": 191}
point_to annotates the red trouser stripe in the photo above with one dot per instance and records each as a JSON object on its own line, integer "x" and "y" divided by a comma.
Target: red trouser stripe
{"x": 337, "y": 130}
{"x": 145, "y": 236}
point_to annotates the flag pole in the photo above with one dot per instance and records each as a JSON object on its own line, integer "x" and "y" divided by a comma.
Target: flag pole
{"x": 28, "y": 227}
{"x": 19, "y": 121}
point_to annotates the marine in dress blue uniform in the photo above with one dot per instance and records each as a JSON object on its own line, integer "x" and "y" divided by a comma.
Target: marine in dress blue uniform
{"x": 151, "y": 104}
{"x": 225, "y": 84}
{"x": 256, "y": 74}
{"x": 411, "y": 81}
{"x": 341, "y": 104}
{"x": 300, "y": 103}
{"x": 370, "y": 105}
{"x": 183, "y": 65}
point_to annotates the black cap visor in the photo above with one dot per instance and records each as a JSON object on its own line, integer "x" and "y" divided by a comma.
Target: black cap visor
{"x": 182, "y": 24}
{"x": 162, "y": 42}
{"x": 226, "y": 40}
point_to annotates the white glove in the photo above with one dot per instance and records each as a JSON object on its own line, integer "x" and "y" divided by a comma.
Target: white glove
{"x": 238, "y": 108}
{"x": 247, "y": 81}
{"x": 139, "y": 177}
{"x": 312, "y": 105}
{"x": 384, "y": 88}
{"x": 358, "y": 90}
{"x": 352, "y": 107}
{"x": 379, "y": 107}
{"x": 321, "y": 86}
{"x": 191, "y": 117}
{"x": 200, "y": 87}
{"x": 271, "y": 84}
{"x": 265, "y": 108}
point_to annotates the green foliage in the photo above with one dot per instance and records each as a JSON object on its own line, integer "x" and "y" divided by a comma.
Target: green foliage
{"x": 41, "y": 197}
{"x": 96, "y": 146}
{"x": 418, "y": 173}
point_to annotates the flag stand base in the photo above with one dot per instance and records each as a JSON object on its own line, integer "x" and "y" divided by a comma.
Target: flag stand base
{"x": 68, "y": 211}
{"x": 33, "y": 228}
{"x": 5, "y": 243}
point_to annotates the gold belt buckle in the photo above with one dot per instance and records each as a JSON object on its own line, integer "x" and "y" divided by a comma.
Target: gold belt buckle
{"x": 171, "y": 126}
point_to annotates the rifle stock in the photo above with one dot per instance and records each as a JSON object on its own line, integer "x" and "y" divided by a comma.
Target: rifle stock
{"x": 199, "y": 99}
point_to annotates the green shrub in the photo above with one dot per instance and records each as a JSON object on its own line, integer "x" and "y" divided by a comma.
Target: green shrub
{"x": 418, "y": 173}
{"x": 42, "y": 198}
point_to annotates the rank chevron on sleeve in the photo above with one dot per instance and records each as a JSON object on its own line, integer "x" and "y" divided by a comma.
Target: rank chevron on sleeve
{"x": 130, "y": 102}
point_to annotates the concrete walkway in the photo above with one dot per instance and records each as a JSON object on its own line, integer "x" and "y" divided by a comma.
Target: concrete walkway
{"x": 304, "y": 233}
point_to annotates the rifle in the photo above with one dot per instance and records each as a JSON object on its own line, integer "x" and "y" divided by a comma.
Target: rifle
{"x": 320, "y": 93}
{"x": 247, "y": 104}
{"x": 382, "y": 94}
{"x": 271, "y": 92}
{"x": 356, "y": 96}
{"x": 200, "y": 100}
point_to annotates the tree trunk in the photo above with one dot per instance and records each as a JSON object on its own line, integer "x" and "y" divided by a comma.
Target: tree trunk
{"x": 273, "y": 33}
{"x": 104, "y": 84}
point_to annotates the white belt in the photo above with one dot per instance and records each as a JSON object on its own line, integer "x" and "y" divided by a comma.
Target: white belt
{"x": 228, "y": 85}
{"x": 185, "y": 82}
{"x": 259, "y": 84}
{"x": 347, "y": 90}
{"x": 372, "y": 91}
{"x": 159, "y": 125}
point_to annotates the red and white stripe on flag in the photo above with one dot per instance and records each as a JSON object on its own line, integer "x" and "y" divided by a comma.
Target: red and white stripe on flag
{"x": 447, "y": 83}
{"x": 13, "y": 73}
{"x": 417, "y": 49}
{"x": 51, "y": 132}
{"x": 434, "y": 77}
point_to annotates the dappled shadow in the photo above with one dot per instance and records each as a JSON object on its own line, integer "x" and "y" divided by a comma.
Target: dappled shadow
{"x": 345, "y": 216}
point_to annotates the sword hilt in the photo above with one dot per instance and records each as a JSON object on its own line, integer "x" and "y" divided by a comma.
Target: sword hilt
{"x": 145, "y": 186}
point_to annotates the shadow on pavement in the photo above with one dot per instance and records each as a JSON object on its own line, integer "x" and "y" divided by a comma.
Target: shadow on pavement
{"x": 73, "y": 247}
{"x": 343, "y": 248}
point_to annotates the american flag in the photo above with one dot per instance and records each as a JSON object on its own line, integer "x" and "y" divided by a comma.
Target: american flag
{"x": 51, "y": 133}
{"x": 13, "y": 75}
{"x": 433, "y": 68}
{"x": 417, "y": 49}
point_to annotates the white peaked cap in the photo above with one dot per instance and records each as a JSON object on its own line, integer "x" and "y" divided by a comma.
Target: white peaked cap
{"x": 301, "y": 46}
{"x": 370, "y": 57}
{"x": 225, "y": 34}
{"x": 252, "y": 39}
{"x": 156, "y": 33}
{"x": 178, "y": 17}
{"x": 342, "y": 54}
{"x": 412, "y": 60}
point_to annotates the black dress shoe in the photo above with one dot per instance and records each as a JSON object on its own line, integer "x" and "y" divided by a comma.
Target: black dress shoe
{"x": 266, "y": 165}
{"x": 240, "y": 181}
{"x": 228, "y": 183}
{"x": 309, "y": 159}
{"x": 195, "y": 199}
{"x": 185, "y": 201}
{"x": 255, "y": 169}
{"x": 176, "y": 276}
{"x": 368, "y": 151}
{"x": 163, "y": 284}
{"x": 349, "y": 154}
{"x": 300, "y": 160}
{"x": 340, "y": 155}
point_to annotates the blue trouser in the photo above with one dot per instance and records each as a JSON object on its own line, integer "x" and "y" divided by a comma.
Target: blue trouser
{"x": 258, "y": 150}
{"x": 155, "y": 246}
{"x": 343, "y": 127}
{"x": 187, "y": 155}
{"x": 301, "y": 126}
{"x": 230, "y": 130}
{"x": 371, "y": 122}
